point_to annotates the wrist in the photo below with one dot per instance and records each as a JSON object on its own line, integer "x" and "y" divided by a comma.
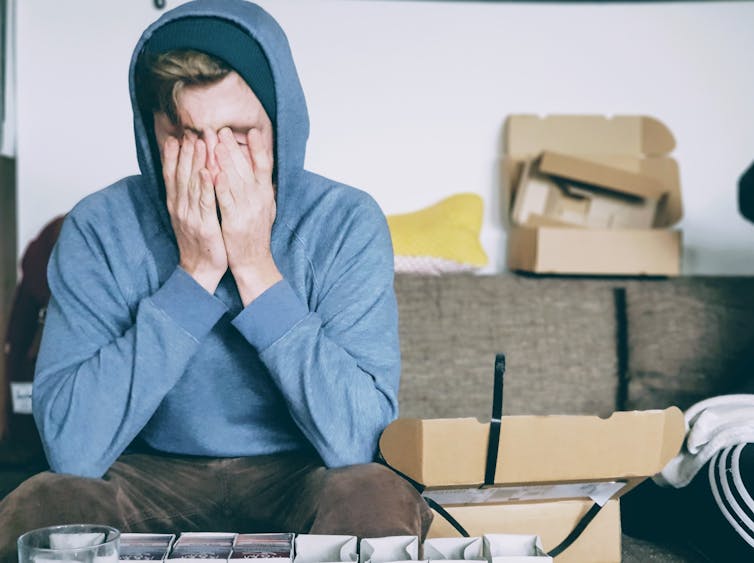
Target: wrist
{"x": 254, "y": 281}
{"x": 208, "y": 279}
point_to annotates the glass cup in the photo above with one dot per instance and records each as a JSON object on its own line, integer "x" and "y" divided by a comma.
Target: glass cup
{"x": 88, "y": 543}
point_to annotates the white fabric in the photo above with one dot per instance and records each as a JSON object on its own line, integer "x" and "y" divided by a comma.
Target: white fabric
{"x": 65, "y": 540}
{"x": 430, "y": 265}
{"x": 711, "y": 425}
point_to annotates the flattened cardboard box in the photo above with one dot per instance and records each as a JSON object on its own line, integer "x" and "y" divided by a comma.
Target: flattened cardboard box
{"x": 550, "y": 470}
{"x": 636, "y": 146}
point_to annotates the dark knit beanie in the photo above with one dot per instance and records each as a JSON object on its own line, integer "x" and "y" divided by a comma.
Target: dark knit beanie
{"x": 226, "y": 41}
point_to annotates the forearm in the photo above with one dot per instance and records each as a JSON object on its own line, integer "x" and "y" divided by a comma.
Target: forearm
{"x": 336, "y": 402}
{"x": 90, "y": 404}
{"x": 340, "y": 385}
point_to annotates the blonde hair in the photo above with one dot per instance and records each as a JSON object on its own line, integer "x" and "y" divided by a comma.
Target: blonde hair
{"x": 166, "y": 74}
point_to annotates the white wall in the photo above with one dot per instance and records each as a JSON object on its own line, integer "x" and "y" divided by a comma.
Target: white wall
{"x": 408, "y": 99}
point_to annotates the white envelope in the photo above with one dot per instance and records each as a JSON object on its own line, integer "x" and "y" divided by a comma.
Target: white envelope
{"x": 514, "y": 548}
{"x": 315, "y": 548}
{"x": 444, "y": 549}
{"x": 392, "y": 548}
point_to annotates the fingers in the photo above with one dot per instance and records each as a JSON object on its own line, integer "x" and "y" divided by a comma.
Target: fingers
{"x": 261, "y": 156}
{"x": 199, "y": 160}
{"x": 184, "y": 168}
{"x": 207, "y": 205}
{"x": 194, "y": 190}
{"x": 231, "y": 175}
{"x": 236, "y": 153}
{"x": 169, "y": 163}
{"x": 224, "y": 194}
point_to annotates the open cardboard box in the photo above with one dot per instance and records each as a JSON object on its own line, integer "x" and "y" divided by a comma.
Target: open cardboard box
{"x": 625, "y": 155}
{"x": 550, "y": 471}
{"x": 557, "y": 189}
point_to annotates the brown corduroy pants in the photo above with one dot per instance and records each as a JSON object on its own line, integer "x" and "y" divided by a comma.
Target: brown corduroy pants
{"x": 169, "y": 494}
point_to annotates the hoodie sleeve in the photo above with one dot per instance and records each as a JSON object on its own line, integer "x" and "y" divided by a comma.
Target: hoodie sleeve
{"x": 337, "y": 366}
{"x": 106, "y": 360}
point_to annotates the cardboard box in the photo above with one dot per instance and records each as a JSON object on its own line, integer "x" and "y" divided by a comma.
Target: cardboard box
{"x": 562, "y": 190}
{"x": 604, "y": 252}
{"x": 553, "y": 520}
{"x": 550, "y": 471}
{"x": 627, "y": 157}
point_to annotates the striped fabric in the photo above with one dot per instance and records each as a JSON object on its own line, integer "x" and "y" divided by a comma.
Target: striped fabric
{"x": 732, "y": 485}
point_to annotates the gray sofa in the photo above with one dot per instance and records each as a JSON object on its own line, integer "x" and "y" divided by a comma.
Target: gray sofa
{"x": 574, "y": 346}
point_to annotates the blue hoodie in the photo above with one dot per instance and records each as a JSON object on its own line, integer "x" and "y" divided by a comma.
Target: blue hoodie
{"x": 134, "y": 348}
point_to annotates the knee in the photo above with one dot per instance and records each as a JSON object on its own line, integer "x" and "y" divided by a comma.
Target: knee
{"x": 29, "y": 506}
{"x": 370, "y": 483}
{"x": 372, "y": 500}
{"x": 38, "y": 490}
{"x": 52, "y": 498}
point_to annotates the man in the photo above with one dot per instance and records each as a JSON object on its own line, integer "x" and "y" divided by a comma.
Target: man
{"x": 226, "y": 316}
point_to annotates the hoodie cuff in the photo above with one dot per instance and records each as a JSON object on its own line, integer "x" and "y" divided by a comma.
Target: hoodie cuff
{"x": 270, "y": 315}
{"x": 189, "y": 304}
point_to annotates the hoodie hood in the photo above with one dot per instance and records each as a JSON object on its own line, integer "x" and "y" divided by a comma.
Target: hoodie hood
{"x": 290, "y": 119}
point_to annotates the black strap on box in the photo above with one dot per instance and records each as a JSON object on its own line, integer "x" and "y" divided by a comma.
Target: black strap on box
{"x": 576, "y": 532}
{"x": 493, "y": 445}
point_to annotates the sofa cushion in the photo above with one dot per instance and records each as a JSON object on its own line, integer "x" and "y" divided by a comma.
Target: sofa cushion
{"x": 689, "y": 338}
{"x": 558, "y": 335}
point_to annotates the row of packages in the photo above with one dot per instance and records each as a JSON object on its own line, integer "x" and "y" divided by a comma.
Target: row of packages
{"x": 313, "y": 548}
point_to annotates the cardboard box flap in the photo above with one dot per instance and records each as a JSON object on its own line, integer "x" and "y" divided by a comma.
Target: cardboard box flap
{"x": 535, "y": 449}
{"x": 528, "y": 135}
{"x": 591, "y": 172}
